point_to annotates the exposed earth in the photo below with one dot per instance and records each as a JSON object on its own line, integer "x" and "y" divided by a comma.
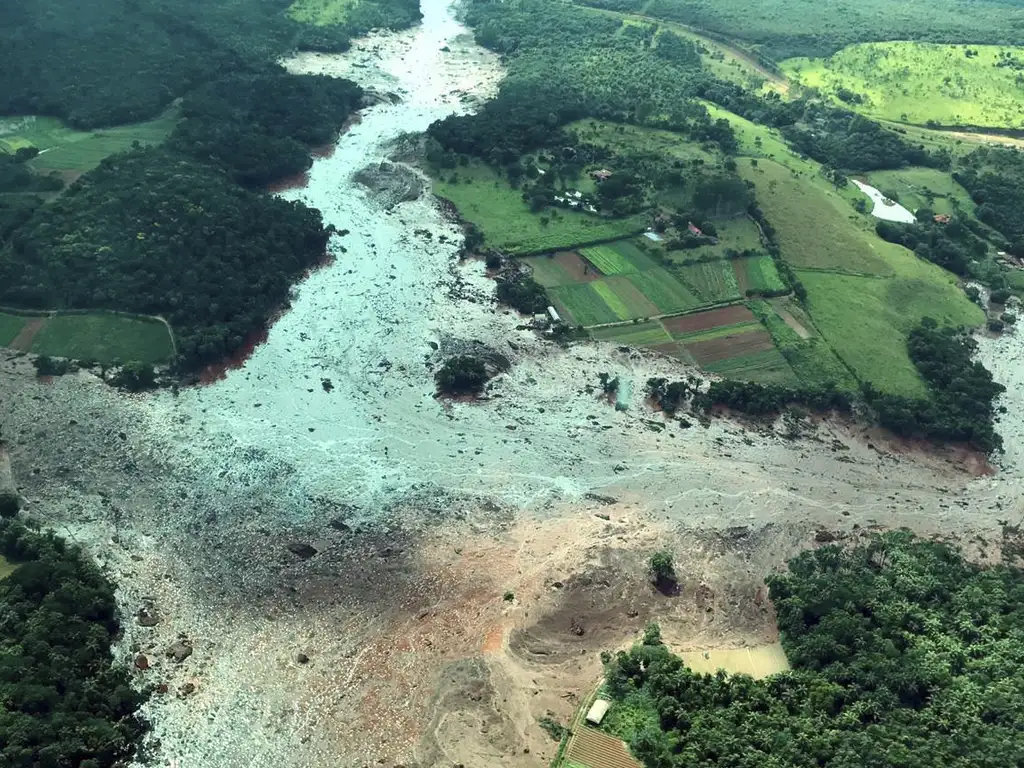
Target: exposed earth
{"x": 327, "y": 566}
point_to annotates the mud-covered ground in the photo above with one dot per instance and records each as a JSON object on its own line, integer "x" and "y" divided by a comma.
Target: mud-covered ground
{"x": 325, "y": 548}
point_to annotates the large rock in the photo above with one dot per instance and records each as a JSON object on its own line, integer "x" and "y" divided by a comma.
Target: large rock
{"x": 391, "y": 183}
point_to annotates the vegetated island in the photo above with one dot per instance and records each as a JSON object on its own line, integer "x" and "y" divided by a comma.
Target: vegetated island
{"x": 756, "y": 258}
{"x": 902, "y": 653}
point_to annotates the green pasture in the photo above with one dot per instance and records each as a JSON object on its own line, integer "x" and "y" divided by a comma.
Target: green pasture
{"x": 866, "y": 319}
{"x": 588, "y": 305}
{"x": 64, "y": 149}
{"x": 761, "y": 273}
{"x": 321, "y": 13}
{"x": 628, "y": 139}
{"x": 911, "y": 82}
{"x": 738, "y": 234}
{"x": 10, "y": 326}
{"x": 485, "y": 199}
{"x": 815, "y": 227}
{"x": 664, "y": 291}
{"x": 767, "y": 367}
{"x": 923, "y": 187}
{"x": 637, "y": 335}
{"x": 714, "y": 281}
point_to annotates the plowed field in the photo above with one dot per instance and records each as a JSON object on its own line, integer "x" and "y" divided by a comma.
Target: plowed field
{"x": 726, "y": 347}
{"x": 702, "y": 321}
{"x": 599, "y": 750}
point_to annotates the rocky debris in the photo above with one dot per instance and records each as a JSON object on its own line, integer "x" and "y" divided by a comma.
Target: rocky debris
{"x": 187, "y": 690}
{"x": 391, "y": 183}
{"x": 301, "y": 658}
{"x": 302, "y": 549}
{"x": 576, "y": 627}
{"x": 179, "y": 651}
{"x": 147, "y": 617}
{"x": 142, "y": 662}
{"x": 824, "y": 537}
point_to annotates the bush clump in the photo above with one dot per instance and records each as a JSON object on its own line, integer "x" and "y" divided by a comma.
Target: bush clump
{"x": 462, "y": 375}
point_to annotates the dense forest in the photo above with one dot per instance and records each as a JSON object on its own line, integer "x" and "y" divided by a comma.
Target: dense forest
{"x": 167, "y": 230}
{"x": 995, "y": 179}
{"x": 156, "y": 233}
{"x": 64, "y": 704}
{"x": 784, "y": 28}
{"x": 109, "y": 61}
{"x": 902, "y": 654}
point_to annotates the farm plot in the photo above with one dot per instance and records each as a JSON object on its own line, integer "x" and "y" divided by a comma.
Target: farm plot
{"x": 766, "y": 367}
{"x": 650, "y": 334}
{"x": 594, "y": 749}
{"x": 714, "y": 281}
{"x": 757, "y": 274}
{"x": 746, "y": 341}
{"x": 102, "y": 337}
{"x": 664, "y": 291}
{"x": 685, "y": 325}
{"x": 589, "y": 304}
{"x": 618, "y": 258}
{"x": 563, "y": 268}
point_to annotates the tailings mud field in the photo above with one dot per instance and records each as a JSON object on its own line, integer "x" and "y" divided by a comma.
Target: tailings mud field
{"x": 314, "y": 553}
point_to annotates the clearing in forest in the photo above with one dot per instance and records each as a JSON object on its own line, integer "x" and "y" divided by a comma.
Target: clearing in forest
{"x": 321, "y": 13}
{"x": 921, "y": 83}
{"x": 65, "y": 149}
{"x": 923, "y": 188}
{"x": 100, "y": 337}
{"x": 757, "y": 662}
{"x": 484, "y": 197}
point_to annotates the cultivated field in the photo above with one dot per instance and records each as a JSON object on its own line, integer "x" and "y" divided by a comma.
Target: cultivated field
{"x": 908, "y": 82}
{"x": 713, "y": 281}
{"x": 757, "y": 274}
{"x": 485, "y": 199}
{"x": 100, "y": 337}
{"x": 64, "y": 149}
{"x": 757, "y": 662}
{"x": 590, "y": 748}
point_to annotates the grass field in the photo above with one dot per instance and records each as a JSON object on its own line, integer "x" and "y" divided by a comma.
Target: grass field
{"x": 631, "y": 138}
{"x": 768, "y": 367}
{"x": 866, "y": 320}
{"x": 737, "y": 234}
{"x": 65, "y": 149}
{"x": 101, "y": 337}
{"x": 923, "y": 187}
{"x": 6, "y": 567}
{"x": 586, "y": 305}
{"x": 713, "y": 281}
{"x": 816, "y": 228}
{"x": 321, "y": 12}
{"x": 717, "y": 332}
{"x": 485, "y": 199}
{"x": 10, "y": 326}
{"x": 758, "y": 273}
{"x": 916, "y": 83}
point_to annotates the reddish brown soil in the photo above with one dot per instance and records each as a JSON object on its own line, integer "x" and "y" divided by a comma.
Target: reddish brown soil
{"x": 298, "y": 181}
{"x": 582, "y": 271}
{"x": 27, "y": 334}
{"x": 702, "y": 321}
{"x": 741, "y": 275}
{"x": 599, "y": 750}
{"x": 725, "y": 347}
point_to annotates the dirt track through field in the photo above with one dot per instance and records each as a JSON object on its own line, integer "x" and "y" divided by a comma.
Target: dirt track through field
{"x": 27, "y": 335}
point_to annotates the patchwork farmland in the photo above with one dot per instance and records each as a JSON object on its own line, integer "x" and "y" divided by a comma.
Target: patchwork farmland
{"x": 621, "y": 294}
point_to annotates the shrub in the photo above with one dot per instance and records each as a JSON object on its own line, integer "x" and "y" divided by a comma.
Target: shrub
{"x": 462, "y": 375}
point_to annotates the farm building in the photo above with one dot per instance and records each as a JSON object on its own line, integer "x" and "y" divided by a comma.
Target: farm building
{"x": 597, "y": 711}
{"x": 601, "y": 175}
{"x": 554, "y": 315}
{"x": 942, "y": 218}
{"x": 694, "y": 230}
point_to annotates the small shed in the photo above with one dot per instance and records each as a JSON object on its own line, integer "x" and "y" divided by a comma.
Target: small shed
{"x": 597, "y": 711}
{"x": 554, "y": 315}
{"x": 694, "y": 229}
{"x": 600, "y": 175}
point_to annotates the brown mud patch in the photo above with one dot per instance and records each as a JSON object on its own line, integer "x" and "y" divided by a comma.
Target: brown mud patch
{"x": 577, "y": 267}
{"x": 298, "y": 181}
{"x": 727, "y": 347}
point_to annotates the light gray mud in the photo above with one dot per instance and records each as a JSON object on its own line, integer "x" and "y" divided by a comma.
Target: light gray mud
{"x": 322, "y": 501}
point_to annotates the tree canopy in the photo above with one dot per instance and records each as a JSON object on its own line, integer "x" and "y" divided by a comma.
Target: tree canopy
{"x": 64, "y": 703}
{"x": 902, "y": 654}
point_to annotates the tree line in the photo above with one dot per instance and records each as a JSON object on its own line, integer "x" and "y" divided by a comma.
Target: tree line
{"x": 64, "y": 702}
{"x": 902, "y": 653}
